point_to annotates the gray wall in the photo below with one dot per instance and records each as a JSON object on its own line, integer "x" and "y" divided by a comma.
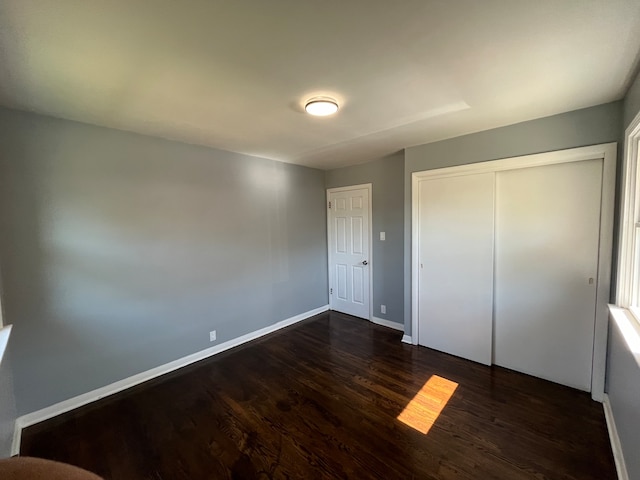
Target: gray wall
{"x": 623, "y": 371}
{"x": 386, "y": 175}
{"x": 120, "y": 252}
{"x": 590, "y": 126}
{"x": 8, "y": 411}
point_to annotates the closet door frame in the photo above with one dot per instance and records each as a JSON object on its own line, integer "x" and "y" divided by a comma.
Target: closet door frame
{"x": 607, "y": 153}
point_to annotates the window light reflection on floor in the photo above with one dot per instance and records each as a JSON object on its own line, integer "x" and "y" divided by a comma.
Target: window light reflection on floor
{"x": 425, "y": 407}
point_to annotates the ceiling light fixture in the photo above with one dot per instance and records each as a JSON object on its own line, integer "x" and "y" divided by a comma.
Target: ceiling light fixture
{"x": 321, "y": 106}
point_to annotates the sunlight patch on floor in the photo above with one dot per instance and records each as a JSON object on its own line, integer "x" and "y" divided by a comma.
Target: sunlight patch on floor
{"x": 425, "y": 407}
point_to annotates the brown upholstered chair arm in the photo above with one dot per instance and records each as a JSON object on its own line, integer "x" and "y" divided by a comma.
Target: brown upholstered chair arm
{"x": 27, "y": 468}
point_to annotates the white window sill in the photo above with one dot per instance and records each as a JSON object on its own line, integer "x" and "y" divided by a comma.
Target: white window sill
{"x": 629, "y": 327}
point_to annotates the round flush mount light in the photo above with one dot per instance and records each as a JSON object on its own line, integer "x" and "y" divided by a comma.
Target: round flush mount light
{"x": 321, "y": 106}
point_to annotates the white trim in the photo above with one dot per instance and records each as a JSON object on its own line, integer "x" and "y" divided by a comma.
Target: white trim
{"x": 369, "y": 187}
{"x": 526, "y": 161}
{"x": 387, "y": 323}
{"x": 605, "y": 260}
{"x": 349, "y": 187}
{"x": 606, "y": 152}
{"x": 415, "y": 255}
{"x": 102, "y": 392}
{"x": 616, "y": 446}
{"x": 17, "y": 439}
{"x": 628, "y": 208}
{"x": 407, "y": 339}
{"x": 5, "y": 333}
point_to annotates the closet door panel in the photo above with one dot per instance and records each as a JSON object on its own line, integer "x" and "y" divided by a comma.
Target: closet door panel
{"x": 547, "y": 236}
{"x": 456, "y": 265}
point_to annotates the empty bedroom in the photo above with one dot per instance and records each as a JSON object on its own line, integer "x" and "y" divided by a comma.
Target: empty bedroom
{"x": 303, "y": 239}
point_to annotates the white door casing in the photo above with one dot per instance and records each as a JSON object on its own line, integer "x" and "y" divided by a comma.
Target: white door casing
{"x": 456, "y": 265}
{"x": 604, "y": 152}
{"x": 547, "y": 235}
{"x": 349, "y": 241}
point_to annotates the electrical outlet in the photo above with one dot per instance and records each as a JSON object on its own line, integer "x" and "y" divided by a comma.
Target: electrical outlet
{"x": 383, "y": 309}
{"x": 212, "y": 336}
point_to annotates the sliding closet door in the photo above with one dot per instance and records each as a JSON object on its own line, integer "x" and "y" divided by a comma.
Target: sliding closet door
{"x": 456, "y": 265}
{"x": 547, "y": 234}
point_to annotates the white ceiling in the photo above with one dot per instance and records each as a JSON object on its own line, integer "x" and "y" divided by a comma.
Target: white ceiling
{"x": 234, "y": 74}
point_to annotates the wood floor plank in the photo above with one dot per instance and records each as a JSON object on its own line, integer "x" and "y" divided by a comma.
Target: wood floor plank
{"x": 321, "y": 399}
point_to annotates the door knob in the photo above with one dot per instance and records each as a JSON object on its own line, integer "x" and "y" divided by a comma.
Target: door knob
{"x": 364, "y": 262}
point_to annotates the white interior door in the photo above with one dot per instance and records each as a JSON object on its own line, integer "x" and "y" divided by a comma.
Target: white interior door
{"x": 456, "y": 265}
{"x": 547, "y": 236}
{"x": 349, "y": 260}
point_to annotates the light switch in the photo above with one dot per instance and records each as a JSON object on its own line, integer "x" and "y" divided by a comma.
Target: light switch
{"x": 382, "y": 236}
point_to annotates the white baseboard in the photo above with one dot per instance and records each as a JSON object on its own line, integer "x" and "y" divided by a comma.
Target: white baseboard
{"x": 102, "y": 392}
{"x": 616, "y": 446}
{"x": 407, "y": 339}
{"x": 387, "y": 323}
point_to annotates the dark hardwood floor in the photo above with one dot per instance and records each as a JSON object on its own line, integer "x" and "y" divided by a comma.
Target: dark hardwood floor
{"x": 321, "y": 399}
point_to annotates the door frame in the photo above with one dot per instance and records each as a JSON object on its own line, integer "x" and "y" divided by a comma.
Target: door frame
{"x": 607, "y": 153}
{"x": 369, "y": 187}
